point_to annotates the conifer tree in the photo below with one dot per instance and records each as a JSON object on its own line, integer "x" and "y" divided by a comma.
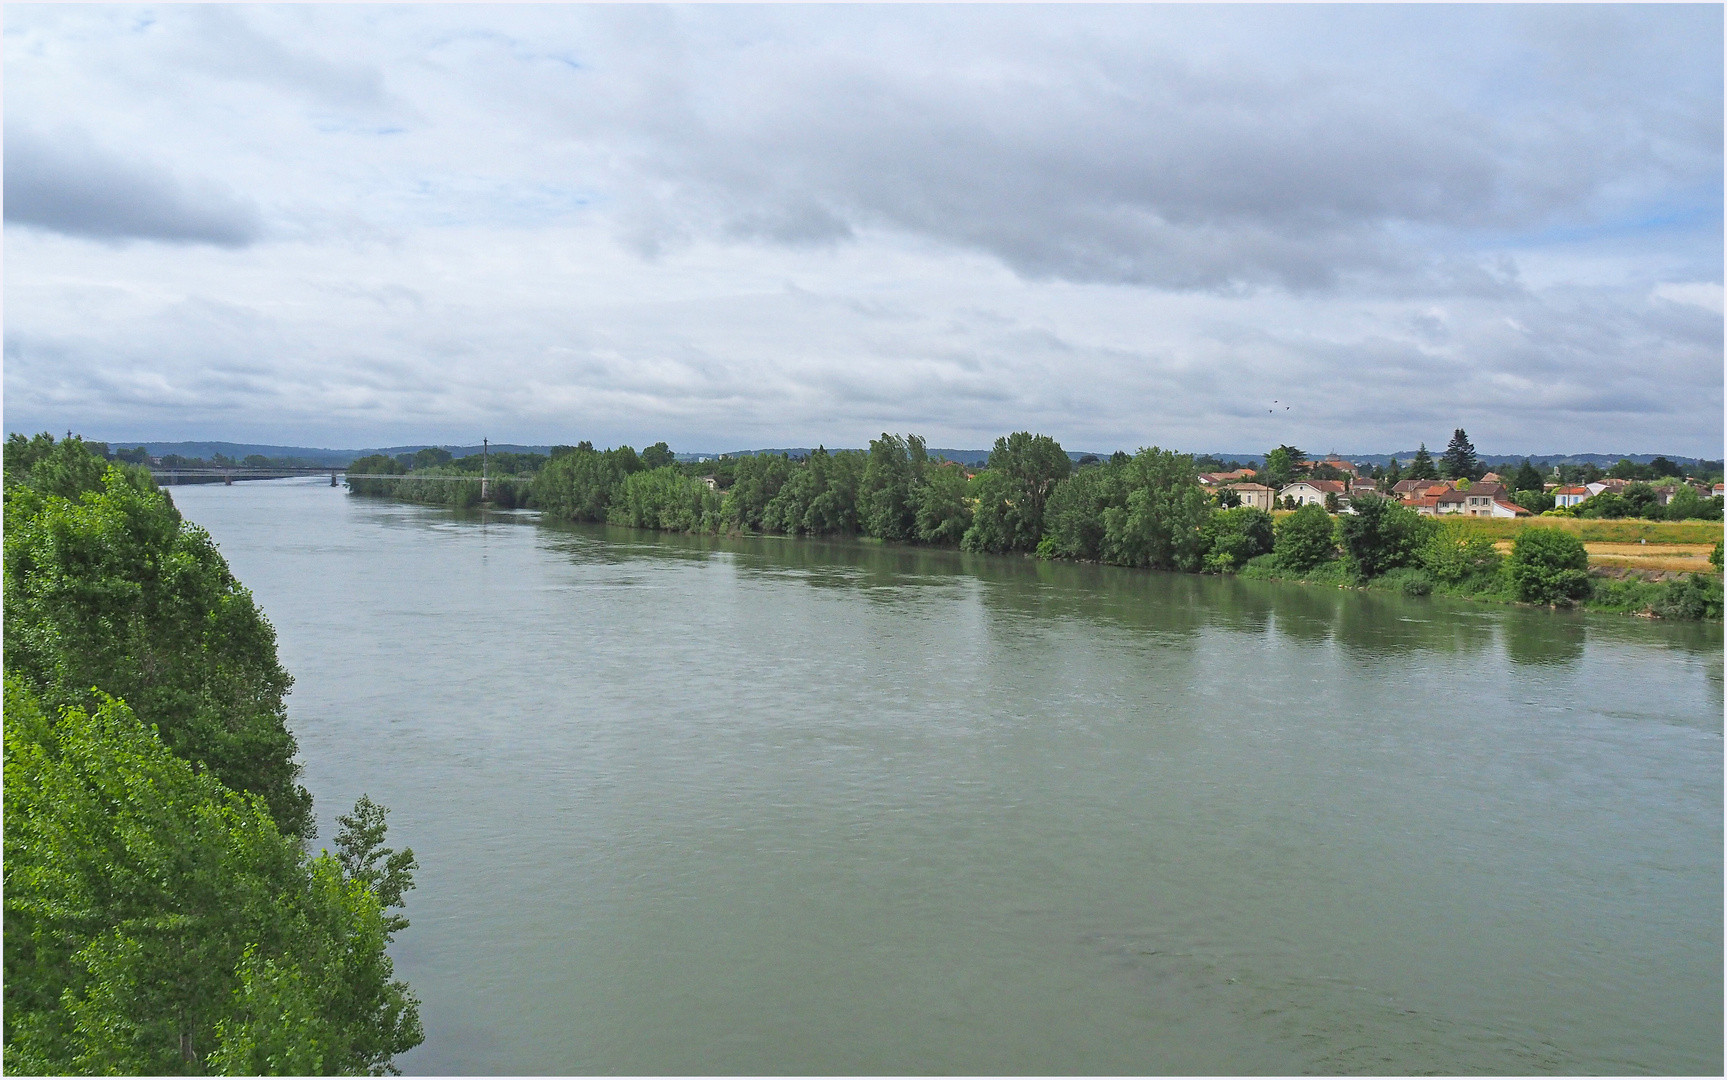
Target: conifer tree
{"x": 1459, "y": 461}
{"x": 1422, "y": 467}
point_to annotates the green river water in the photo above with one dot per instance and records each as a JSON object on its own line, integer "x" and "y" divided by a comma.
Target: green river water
{"x": 765, "y": 806}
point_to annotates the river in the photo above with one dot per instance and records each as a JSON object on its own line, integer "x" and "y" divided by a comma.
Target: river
{"x": 687, "y": 804}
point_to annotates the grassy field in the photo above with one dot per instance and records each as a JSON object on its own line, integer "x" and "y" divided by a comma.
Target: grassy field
{"x": 1621, "y": 531}
{"x": 1656, "y": 555}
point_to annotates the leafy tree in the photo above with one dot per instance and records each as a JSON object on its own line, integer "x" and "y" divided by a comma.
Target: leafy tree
{"x": 112, "y": 589}
{"x": 658, "y": 456}
{"x": 942, "y": 513}
{"x": 158, "y": 922}
{"x": 1662, "y": 468}
{"x": 819, "y": 497}
{"x": 887, "y": 497}
{"x": 1074, "y": 518}
{"x": 1393, "y": 473}
{"x": 1536, "y": 502}
{"x": 1421, "y": 467}
{"x": 1305, "y": 539}
{"x": 1527, "y": 478}
{"x": 1022, "y": 474}
{"x": 664, "y": 498}
{"x": 67, "y": 469}
{"x": 1234, "y": 536}
{"x": 1282, "y": 465}
{"x": 1381, "y": 535}
{"x": 1685, "y": 504}
{"x": 1459, "y": 460}
{"x": 1604, "y": 505}
{"x": 430, "y": 457}
{"x": 1548, "y": 566}
{"x": 756, "y": 479}
{"x": 1641, "y": 501}
{"x": 1715, "y": 557}
{"x": 578, "y": 486}
{"x": 1160, "y": 518}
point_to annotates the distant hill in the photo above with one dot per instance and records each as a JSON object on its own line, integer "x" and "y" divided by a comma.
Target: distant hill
{"x": 312, "y": 454}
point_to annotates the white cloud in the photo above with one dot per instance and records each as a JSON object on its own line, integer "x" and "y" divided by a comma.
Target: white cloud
{"x": 1703, "y": 294}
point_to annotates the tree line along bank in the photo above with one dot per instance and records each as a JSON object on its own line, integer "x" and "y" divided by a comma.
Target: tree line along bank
{"x": 163, "y": 911}
{"x": 1141, "y": 510}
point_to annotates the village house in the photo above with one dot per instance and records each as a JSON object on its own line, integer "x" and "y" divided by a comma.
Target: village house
{"x": 1213, "y": 479}
{"x": 1258, "y": 496}
{"x": 1306, "y": 492}
{"x": 1570, "y": 496}
{"x": 1409, "y": 489}
{"x": 1362, "y": 483}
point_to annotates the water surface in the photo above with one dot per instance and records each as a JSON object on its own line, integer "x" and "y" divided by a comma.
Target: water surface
{"x": 764, "y": 806}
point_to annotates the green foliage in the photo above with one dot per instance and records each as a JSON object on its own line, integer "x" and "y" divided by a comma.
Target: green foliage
{"x": 157, "y": 922}
{"x": 943, "y": 512}
{"x": 1459, "y": 460}
{"x": 658, "y": 456}
{"x": 1305, "y": 539}
{"x": 1535, "y": 501}
{"x": 757, "y": 478}
{"x": 1694, "y": 596}
{"x": 1605, "y": 505}
{"x": 374, "y": 465}
{"x": 1023, "y": 472}
{"x": 820, "y": 497}
{"x": 1715, "y": 557}
{"x": 1548, "y": 566}
{"x": 1417, "y": 585}
{"x": 1641, "y": 502}
{"x": 1147, "y": 510}
{"x": 1527, "y": 478}
{"x": 1232, "y": 537}
{"x": 1282, "y": 465}
{"x": 888, "y": 493}
{"x": 1687, "y": 504}
{"x": 1381, "y": 535}
{"x": 664, "y": 498}
{"x": 579, "y": 485}
{"x": 1452, "y": 552}
{"x": 110, "y": 588}
{"x": 67, "y": 468}
{"x": 1421, "y": 466}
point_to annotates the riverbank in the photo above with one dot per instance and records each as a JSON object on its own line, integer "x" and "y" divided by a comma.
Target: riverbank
{"x": 1696, "y": 596}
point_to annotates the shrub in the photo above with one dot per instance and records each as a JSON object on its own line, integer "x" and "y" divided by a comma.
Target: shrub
{"x": 1304, "y": 539}
{"x": 1454, "y": 551}
{"x": 1691, "y": 597}
{"x": 1381, "y": 535}
{"x": 1417, "y": 586}
{"x": 1549, "y": 566}
{"x": 1232, "y": 537}
{"x": 1715, "y": 557}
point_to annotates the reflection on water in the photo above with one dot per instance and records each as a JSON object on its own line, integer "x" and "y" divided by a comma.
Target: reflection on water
{"x": 697, "y": 804}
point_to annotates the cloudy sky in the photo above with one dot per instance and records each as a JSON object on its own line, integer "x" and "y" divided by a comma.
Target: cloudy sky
{"x": 1213, "y": 228}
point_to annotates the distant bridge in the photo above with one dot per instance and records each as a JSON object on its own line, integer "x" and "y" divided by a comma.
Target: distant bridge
{"x": 210, "y": 474}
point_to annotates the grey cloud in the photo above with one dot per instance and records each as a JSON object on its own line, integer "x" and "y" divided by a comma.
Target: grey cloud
{"x": 65, "y": 183}
{"x": 1105, "y": 160}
